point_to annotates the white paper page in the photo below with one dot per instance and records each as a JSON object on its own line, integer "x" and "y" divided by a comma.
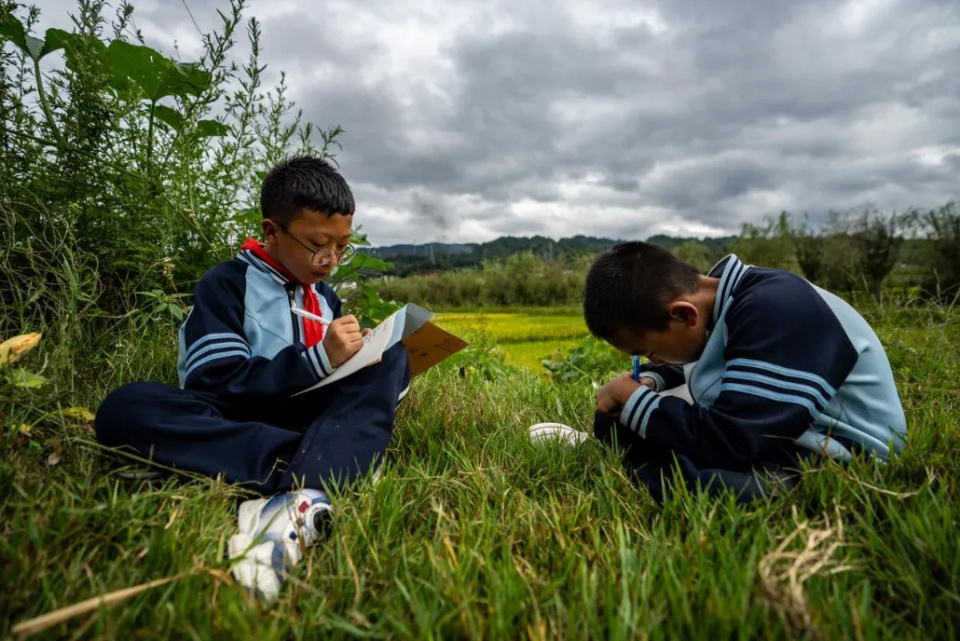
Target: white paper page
{"x": 374, "y": 345}
{"x": 416, "y": 317}
{"x": 391, "y": 331}
{"x": 409, "y": 319}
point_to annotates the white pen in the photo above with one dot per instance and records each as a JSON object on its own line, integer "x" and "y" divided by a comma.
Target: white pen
{"x": 306, "y": 314}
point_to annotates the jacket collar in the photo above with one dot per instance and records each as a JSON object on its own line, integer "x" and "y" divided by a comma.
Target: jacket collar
{"x": 253, "y": 253}
{"x": 730, "y": 270}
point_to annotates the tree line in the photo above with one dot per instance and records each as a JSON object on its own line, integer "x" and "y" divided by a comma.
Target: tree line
{"x": 407, "y": 260}
{"x": 866, "y": 251}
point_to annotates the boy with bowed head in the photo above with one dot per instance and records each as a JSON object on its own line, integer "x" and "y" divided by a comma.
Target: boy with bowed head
{"x": 777, "y": 370}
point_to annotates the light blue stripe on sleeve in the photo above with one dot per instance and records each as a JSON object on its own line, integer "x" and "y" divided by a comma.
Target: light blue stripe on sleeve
{"x": 313, "y": 356}
{"x": 777, "y": 382}
{"x": 646, "y": 416}
{"x": 631, "y": 405}
{"x": 656, "y": 379}
{"x": 645, "y": 399}
{"x": 773, "y": 396}
{"x": 212, "y": 337}
{"x": 324, "y": 359}
{"x": 214, "y": 357}
{"x": 784, "y": 371}
{"x": 212, "y": 347}
{"x": 312, "y": 362}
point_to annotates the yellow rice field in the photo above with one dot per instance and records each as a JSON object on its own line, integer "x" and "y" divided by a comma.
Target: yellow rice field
{"x": 525, "y": 339}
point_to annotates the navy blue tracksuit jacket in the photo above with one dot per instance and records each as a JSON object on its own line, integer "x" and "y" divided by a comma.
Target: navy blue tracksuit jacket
{"x": 788, "y": 370}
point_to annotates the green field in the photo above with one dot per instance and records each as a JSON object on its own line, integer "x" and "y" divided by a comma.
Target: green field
{"x": 472, "y": 533}
{"x": 524, "y": 337}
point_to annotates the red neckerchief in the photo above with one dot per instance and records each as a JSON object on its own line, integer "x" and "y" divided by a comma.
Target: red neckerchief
{"x": 312, "y": 330}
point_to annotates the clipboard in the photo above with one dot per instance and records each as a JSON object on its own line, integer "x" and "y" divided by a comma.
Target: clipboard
{"x": 426, "y": 344}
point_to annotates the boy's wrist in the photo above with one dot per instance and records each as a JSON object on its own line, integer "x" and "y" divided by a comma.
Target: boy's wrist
{"x": 625, "y": 389}
{"x": 652, "y": 381}
{"x": 636, "y": 406}
{"x": 320, "y": 361}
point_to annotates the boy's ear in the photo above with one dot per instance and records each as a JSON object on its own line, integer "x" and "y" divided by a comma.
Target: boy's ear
{"x": 270, "y": 231}
{"x": 685, "y": 312}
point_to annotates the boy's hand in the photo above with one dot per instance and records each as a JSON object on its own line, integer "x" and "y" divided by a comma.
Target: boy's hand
{"x": 614, "y": 395}
{"x": 342, "y": 340}
{"x": 649, "y": 382}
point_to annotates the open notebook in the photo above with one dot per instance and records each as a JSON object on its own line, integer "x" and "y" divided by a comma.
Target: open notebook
{"x": 426, "y": 344}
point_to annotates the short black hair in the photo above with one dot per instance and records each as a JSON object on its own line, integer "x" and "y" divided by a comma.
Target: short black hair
{"x": 304, "y": 182}
{"x": 630, "y": 285}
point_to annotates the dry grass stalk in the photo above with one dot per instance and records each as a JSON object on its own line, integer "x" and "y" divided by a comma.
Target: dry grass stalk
{"x": 40, "y": 623}
{"x": 806, "y": 552}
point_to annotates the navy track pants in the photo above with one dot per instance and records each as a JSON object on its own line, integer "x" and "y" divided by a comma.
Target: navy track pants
{"x": 331, "y": 435}
{"x": 656, "y": 468}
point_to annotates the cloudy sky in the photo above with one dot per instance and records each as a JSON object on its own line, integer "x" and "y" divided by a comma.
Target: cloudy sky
{"x": 474, "y": 119}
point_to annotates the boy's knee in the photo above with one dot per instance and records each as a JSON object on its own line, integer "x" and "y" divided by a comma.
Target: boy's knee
{"x": 603, "y": 427}
{"x": 396, "y": 356}
{"x": 120, "y": 411}
{"x": 609, "y": 431}
{"x": 396, "y": 362}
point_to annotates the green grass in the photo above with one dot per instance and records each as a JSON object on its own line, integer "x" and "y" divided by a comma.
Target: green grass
{"x": 472, "y": 533}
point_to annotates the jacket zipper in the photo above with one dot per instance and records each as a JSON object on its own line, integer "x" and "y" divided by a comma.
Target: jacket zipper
{"x": 291, "y": 294}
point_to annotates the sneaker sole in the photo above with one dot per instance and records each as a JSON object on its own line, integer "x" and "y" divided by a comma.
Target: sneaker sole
{"x": 557, "y": 432}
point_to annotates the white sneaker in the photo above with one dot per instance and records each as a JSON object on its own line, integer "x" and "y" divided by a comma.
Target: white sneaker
{"x": 557, "y": 432}
{"x": 273, "y": 535}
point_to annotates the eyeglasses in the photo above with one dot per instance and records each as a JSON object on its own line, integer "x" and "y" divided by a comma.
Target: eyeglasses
{"x": 324, "y": 255}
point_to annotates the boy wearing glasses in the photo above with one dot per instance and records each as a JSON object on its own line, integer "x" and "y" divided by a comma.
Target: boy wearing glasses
{"x": 245, "y": 352}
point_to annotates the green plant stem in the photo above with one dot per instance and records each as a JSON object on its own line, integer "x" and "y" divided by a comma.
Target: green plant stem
{"x": 149, "y": 150}
{"x": 45, "y": 105}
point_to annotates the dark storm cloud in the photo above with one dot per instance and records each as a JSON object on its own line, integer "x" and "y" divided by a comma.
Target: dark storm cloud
{"x": 469, "y": 120}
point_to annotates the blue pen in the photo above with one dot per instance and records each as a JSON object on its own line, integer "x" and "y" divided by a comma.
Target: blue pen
{"x": 636, "y": 368}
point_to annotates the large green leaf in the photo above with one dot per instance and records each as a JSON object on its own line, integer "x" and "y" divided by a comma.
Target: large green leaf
{"x": 212, "y": 129}
{"x": 191, "y": 78}
{"x": 154, "y": 73}
{"x": 146, "y": 67}
{"x": 204, "y": 128}
{"x": 168, "y": 116}
{"x": 55, "y": 40}
{"x": 366, "y": 261}
{"x": 13, "y": 30}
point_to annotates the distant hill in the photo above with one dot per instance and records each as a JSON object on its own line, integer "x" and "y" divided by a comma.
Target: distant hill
{"x": 428, "y": 249}
{"x": 412, "y": 259}
{"x": 713, "y": 244}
